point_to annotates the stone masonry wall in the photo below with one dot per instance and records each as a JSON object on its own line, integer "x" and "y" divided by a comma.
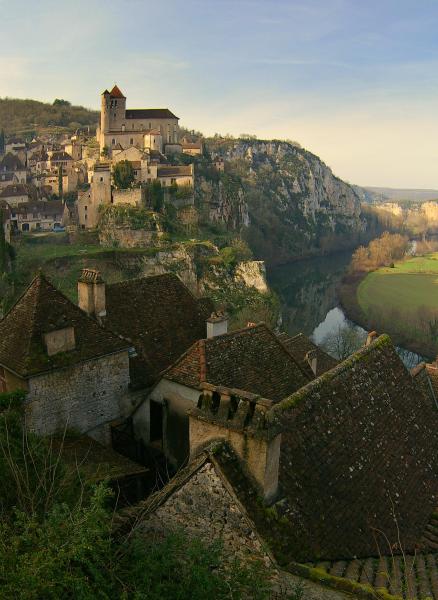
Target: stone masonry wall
{"x": 80, "y": 397}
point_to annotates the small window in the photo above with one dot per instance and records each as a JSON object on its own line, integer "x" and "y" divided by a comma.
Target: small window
{"x": 86, "y": 207}
{"x": 131, "y": 141}
{"x": 113, "y": 142}
{"x": 101, "y": 179}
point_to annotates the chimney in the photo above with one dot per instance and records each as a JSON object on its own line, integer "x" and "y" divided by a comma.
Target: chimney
{"x": 312, "y": 360}
{"x": 217, "y": 324}
{"x": 371, "y": 337}
{"x": 91, "y": 293}
{"x": 241, "y": 419}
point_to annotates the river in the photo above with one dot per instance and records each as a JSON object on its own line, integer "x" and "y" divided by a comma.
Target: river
{"x": 308, "y": 294}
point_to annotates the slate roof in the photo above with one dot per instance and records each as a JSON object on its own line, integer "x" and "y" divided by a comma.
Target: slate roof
{"x": 149, "y": 113}
{"x": 299, "y": 345}
{"x": 41, "y": 309}
{"x": 11, "y": 162}
{"x": 160, "y": 316}
{"x": 47, "y": 209}
{"x": 250, "y": 359}
{"x": 357, "y": 443}
{"x": 60, "y": 155}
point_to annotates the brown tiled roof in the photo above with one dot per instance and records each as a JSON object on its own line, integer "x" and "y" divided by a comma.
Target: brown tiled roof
{"x": 149, "y": 113}
{"x": 171, "y": 171}
{"x": 192, "y": 145}
{"x": 41, "y": 309}
{"x": 160, "y": 316}
{"x": 60, "y": 155}
{"x": 11, "y": 191}
{"x": 116, "y": 93}
{"x": 45, "y": 208}
{"x": 299, "y": 346}
{"x": 358, "y": 443}
{"x": 250, "y": 359}
{"x": 11, "y": 162}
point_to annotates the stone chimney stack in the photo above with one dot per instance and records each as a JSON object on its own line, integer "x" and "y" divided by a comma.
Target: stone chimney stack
{"x": 91, "y": 293}
{"x": 241, "y": 419}
{"x": 217, "y": 324}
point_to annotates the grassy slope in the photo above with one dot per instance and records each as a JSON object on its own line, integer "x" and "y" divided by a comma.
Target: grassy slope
{"x": 26, "y": 117}
{"x": 410, "y": 285}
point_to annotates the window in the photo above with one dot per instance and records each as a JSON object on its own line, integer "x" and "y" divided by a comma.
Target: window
{"x": 113, "y": 142}
{"x": 101, "y": 179}
{"x": 123, "y": 127}
{"x": 173, "y": 181}
{"x": 86, "y": 207}
{"x": 131, "y": 141}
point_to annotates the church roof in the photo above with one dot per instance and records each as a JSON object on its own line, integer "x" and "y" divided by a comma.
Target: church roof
{"x": 116, "y": 93}
{"x": 42, "y": 309}
{"x": 149, "y": 113}
{"x": 161, "y": 318}
{"x": 250, "y": 359}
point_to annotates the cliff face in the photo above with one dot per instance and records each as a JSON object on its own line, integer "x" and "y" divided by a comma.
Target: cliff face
{"x": 295, "y": 206}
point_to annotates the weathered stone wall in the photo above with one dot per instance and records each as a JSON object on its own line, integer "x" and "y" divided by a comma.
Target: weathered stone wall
{"x": 260, "y": 457}
{"x": 205, "y": 509}
{"x": 132, "y": 197}
{"x": 81, "y": 397}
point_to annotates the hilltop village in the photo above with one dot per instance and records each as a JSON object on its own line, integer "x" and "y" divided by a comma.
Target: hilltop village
{"x": 320, "y": 468}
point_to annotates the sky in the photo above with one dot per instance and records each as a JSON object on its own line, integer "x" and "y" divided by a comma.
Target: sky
{"x": 354, "y": 81}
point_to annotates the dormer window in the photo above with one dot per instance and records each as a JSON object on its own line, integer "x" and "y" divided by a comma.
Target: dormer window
{"x": 60, "y": 340}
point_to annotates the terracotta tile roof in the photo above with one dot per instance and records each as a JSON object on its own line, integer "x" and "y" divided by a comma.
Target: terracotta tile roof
{"x": 300, "y": 345}
{"x": 160, "y": 316}
{"x": 116, "y": 93}
{"x": 171, "y": 171}
{"x": 149, "y": 113}
{"x": 357, "y": 442}
{"x": 250, "y": 359}
{"x": 41, "y": 309}
{"x": 11, "y": 162}
{"x": 11, "y": 191}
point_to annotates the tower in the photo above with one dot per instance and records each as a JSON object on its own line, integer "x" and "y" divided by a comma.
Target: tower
{"x": 117, "y": 110}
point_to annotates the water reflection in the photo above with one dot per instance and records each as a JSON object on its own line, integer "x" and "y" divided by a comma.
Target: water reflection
{"x": 309, "y": 302}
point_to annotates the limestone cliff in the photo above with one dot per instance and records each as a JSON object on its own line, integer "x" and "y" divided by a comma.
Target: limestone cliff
{"x": 293, "y": 204}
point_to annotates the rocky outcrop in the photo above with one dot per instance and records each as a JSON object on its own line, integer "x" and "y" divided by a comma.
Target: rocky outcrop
{"x": 296, "y": 207}
{"x": 253, "y": 274}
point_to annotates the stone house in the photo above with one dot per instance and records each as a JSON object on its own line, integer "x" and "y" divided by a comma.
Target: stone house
{"x": 176, "y": 175}
{"x": 15, "y": 194}
{"x": 253, "y": 359}
{"x": 97, "y": 195}
{"x": 75, "y": 373}
{"x": 11, "y": 165}
{"x": 336, "y": 481}
{"x": 37, "y": 216}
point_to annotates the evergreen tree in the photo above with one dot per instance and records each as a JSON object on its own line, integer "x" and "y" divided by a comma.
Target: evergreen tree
{"x": 123, "y": 175}
{"x": 2, "y": 141}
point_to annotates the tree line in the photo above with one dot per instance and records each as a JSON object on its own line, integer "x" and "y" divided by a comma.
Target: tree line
{"x": 382, "y": 251}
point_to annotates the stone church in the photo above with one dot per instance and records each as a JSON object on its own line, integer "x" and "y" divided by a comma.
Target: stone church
{"x": 144, "y": 128}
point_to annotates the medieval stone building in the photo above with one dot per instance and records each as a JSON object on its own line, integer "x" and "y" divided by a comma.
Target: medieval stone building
{"x": 145, "y": 128}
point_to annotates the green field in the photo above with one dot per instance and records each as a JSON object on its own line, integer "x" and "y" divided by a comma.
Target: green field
{"x": 408, "y": 286}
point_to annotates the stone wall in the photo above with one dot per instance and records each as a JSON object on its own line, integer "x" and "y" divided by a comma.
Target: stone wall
{"x": 133, "y": 197}
{"x": 81, "y": 397}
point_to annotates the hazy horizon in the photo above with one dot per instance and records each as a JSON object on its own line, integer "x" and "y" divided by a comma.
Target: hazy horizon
{"x": 352, "y": 82}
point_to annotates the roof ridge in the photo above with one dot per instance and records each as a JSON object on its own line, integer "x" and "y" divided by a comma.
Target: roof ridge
{"x": 292, "y": 400}
{"x": 235, "y": 332}
{"x": 288, "y": 352}
{"x": 202, "y": 361}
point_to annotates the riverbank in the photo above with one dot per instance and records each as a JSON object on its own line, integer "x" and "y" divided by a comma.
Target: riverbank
{"x": 395, "y": 301}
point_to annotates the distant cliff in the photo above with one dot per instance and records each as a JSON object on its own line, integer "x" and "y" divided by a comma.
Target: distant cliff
{"x": 285, "y": 201}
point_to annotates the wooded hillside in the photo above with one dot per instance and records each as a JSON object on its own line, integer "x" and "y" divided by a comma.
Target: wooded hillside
{"x": 30, "y": 117}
